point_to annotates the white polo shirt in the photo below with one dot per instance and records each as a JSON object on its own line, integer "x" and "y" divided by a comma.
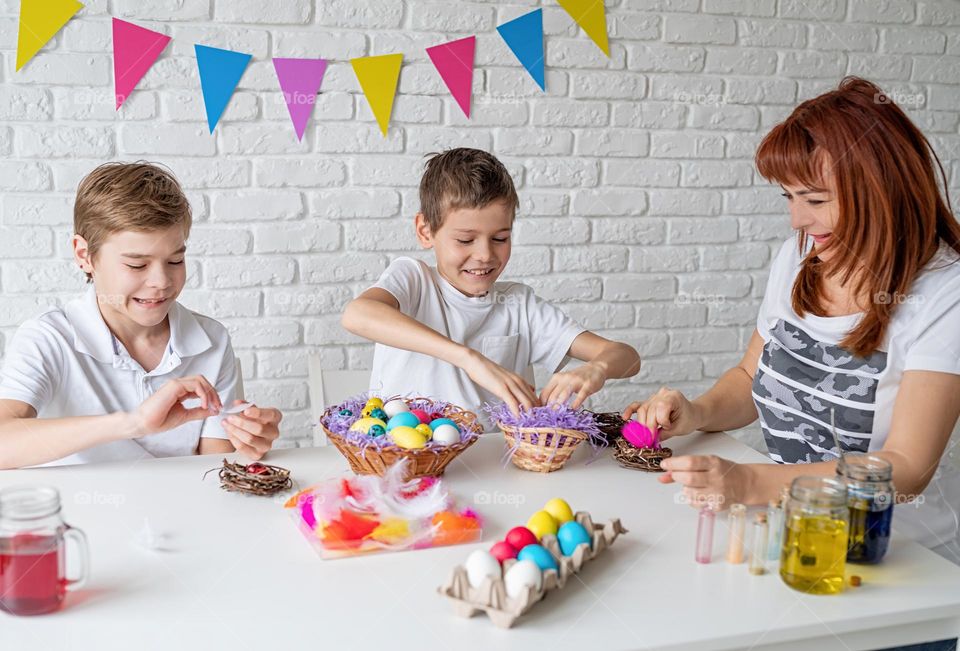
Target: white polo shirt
{"x": 66, "y": 362}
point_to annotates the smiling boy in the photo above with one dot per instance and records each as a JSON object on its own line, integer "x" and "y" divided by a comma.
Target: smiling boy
{"x": 453, "y": 331}
{"x": 125, "y": 372}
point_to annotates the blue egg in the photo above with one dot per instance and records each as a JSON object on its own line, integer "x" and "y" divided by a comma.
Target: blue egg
{"x": 346, "y": 412}
{"x": 437, "y": 422}
{"x": 378, "y": 413}
{"x": 404, "y": 418}
{"x": 570, "y": 536}
{"x": 376, "y": 430}
{"x": 539, "y": 555}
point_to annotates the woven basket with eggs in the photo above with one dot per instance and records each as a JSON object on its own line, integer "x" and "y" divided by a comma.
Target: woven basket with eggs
{"x": 374, "y": 434}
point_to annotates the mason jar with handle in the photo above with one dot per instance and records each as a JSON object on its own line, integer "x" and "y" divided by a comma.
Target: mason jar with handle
{"x": 33, "y": 540}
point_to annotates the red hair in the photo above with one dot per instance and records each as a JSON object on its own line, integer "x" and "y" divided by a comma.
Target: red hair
{"x": 892, "y": 213}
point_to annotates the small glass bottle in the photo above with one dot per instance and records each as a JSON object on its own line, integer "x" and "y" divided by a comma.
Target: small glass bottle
{"x": 758, "y": 545}
{"x": 870, "y": 496}
{"x": 705, "y": 523}
{"x": 33, "y": 539}
{"x": 737, "y": 522}
{"x": 814, "y": 553}
{"x": 775, "y": 525}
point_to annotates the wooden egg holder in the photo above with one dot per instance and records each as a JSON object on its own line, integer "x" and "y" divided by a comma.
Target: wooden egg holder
{"x": 491, "y": 596}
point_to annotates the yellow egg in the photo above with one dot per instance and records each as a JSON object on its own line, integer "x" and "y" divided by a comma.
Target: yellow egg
{"x": 408, "y": 437}
{"x": 424, "y": 429}
{"x": 559, "y": 509}
{"x": 366, "y": 411}
{"x": 374, "y": 403}
{"x": 542, "y": 523}
{"x": 364, "y": 424}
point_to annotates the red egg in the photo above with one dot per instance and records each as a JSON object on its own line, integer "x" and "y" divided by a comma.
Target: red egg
{"x": 422, "y": 415}
{"x": 520, "y": 537}
{"x": 503, "y": 550}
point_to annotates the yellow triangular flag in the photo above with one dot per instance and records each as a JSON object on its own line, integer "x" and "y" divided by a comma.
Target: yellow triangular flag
{"x": 591, "y": 15}
{"x": 39, "y": 21}
{"x": 378, "y": 77}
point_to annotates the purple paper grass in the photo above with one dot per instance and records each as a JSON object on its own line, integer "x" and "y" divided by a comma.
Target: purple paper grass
{"x": 554, "y": 416}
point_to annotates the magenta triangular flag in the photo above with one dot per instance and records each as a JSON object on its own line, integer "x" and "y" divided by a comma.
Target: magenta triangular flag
{"x": 134, "y": 51}
{"x": 454, "y": 62}
{"x": 300, "y": 81}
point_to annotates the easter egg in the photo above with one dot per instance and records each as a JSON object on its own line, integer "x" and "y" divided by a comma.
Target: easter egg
{"x": 570, "y": 536}
{"x": 503, "y": 550}
{"x": 364, "y": 424}
{"x": 376, "y": 430}
{"x": 520, "y": 537}
{"x": 377, "y": 412}
{"x": 421, "y": 415}
{"x": 559, "y": 509}
{"x": 481, "y": 564}
{"x": 367, "y": 411}
{"x": 639, "y": 435}
{"x": 446, "y": 435}
{"x": 407, "y": 437}
{"x": 394, "y": 407}
{"x": 424, "y": 429}
{"x": 346, "y": 412}
{"x": 374, "y": 402}
{"x": 539, "y": 555}
{"x": 522, "y": 576}
{"x": 542, "y": 523}
{"x": 437, "y": 422}
{"x": 404, "y": 419}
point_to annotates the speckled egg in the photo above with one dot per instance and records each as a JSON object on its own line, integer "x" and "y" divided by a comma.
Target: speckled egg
{"x": 377, "y": 412}
{"x": 364, "y": 424}
{"x": 424, "y": 429}
{"x": 376, "y": 430}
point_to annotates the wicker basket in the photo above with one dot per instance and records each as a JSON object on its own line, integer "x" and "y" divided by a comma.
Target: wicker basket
{"x": 423, "y": 462}
{"x": 645, "y": 459}
{"x": 541, "y": 449}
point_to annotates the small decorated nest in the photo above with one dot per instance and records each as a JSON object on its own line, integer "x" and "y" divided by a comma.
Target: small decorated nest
{"x": 609, "y": 423}
{"x": 646, "y": 459}
{"x": 254, "y": 478}
{"x": 373, "y": 455}
{"x": 542, "y": 439}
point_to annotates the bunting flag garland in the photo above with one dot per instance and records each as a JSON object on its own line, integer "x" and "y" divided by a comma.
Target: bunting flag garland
{"x": 524, "y": 37}
{"x": 40, "y": 20}
{"x": 378, "y": 77}
{"x": 300, "y": 81}
{"x": 454, "y": 62}
{"x": 591, "y": 15}
{"x": 135, "y": 49}
{"x": 220, "y": 72}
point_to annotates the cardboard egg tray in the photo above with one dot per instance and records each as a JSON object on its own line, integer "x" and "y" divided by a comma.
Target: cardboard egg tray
{"x": 491, "y": 596}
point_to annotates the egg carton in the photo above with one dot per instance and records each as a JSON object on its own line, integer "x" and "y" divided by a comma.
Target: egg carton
{"x": 491, "y": 596}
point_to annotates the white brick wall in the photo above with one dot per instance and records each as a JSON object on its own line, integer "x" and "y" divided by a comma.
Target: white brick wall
{"x": 641, "y": 211}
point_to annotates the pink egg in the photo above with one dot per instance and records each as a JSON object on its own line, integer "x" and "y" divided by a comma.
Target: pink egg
{"x": 520, "y": 537}
{"x": 422, "y": 415}
{"x": 503, "y": 550}
{"x": 640, "y": 436}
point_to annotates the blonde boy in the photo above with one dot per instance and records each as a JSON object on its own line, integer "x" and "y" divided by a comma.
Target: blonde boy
{"x": 125, "y": 372}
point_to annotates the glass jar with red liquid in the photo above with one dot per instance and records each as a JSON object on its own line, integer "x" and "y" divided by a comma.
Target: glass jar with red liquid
{"x": 33, "y": 538}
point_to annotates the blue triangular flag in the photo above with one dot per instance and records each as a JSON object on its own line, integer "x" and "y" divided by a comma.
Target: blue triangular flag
{"x": 524, "y": 36}
{"x": 220, "y": 72}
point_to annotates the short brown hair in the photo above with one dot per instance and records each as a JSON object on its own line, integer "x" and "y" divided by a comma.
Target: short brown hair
{"x": 463, "y": 178}
{"x": 137, "y": 196}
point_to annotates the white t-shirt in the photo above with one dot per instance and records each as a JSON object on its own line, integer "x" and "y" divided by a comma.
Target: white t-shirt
{"x": 510, "y": 325}
{"x": 803, "y": 373}
{"x": 66, "y": 362}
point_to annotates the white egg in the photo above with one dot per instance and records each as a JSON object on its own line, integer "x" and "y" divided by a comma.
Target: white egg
{"x": 446, "y": 434}
{"x": 522, "y": 575}
{"x": 481, "y": 564}
{"x": 394, "y": 407}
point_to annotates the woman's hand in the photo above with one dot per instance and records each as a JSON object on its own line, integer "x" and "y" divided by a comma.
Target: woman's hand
{"x": 164, "y": 410}
{"x": 253, "y": 431}
{"x": 709, "y": 480}
{"x": 506, "y": 385}
{"x": 582, "y": 382}
{"x": 668, "y": 410}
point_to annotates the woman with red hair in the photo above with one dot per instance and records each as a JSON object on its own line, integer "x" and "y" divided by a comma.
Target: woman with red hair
{"x": 860, "y": 320}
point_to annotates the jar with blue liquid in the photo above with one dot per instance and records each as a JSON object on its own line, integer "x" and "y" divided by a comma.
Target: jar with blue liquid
{"x": 870, "y": 497}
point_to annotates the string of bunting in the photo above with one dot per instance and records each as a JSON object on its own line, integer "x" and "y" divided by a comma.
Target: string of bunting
{"x": 135, "y": 49}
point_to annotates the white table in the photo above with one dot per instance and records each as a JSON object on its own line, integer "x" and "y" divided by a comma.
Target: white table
{"x": 242, "y": 576}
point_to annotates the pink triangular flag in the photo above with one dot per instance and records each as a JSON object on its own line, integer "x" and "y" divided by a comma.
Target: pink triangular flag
{"x": 134, "y": 51}
{"x": 454, "y": 62}
{"x": 300, "y": 81}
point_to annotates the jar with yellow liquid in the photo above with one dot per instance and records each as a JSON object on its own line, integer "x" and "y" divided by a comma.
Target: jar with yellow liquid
{"x": 814, "y": 551}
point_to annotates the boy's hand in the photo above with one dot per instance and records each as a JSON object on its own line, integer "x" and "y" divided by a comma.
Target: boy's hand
{"x": 253, "y": 430}
{"x": 164, "y": 409}
{"x": 581, "y": 382}
{"x": 506, "y": 385}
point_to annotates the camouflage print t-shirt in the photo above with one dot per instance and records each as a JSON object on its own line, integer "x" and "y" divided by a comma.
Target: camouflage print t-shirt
{"x": 803, "y": 374}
